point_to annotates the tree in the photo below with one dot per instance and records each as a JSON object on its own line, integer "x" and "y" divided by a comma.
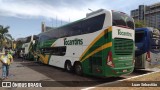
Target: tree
{"x": 5, "y": 37}
{"x": 139, "y": 24}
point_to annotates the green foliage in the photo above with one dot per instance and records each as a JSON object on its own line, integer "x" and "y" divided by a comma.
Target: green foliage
{"x": 139, "y": 24}
{"x": 5, "y": 37}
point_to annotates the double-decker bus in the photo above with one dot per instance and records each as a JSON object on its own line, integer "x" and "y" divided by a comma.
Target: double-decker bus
{"x": 147, "y": 54}
{"x": 27, "y": 47}
{"x": 102, "y": 44}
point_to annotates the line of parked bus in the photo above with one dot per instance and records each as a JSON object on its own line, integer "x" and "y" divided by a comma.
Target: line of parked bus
{"x": 147, "y": 53}
{"x": 102, "y": 44}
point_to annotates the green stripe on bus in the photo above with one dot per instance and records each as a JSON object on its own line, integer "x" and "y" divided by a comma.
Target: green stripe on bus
{"x": 98, "y": 44}
{"x": 107, "y": 45}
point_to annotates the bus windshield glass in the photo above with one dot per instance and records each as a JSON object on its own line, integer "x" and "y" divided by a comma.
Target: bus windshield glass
{"x": 139, "y": 36}
{"x": 121, "y": 19}
{"x": 28, "y": 39}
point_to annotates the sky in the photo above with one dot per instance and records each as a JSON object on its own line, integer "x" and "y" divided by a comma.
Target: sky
{"x": 25, "y": 16}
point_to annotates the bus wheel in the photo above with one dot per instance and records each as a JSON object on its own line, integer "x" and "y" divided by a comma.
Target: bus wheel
{"x": 78, "y": 68}
{"x": 68, "y": 66}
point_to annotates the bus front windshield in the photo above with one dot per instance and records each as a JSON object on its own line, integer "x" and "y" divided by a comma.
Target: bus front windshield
{"x": 139, "y": 36}
{"x": 28, "y": 39}
{"x": 121, "y": 19}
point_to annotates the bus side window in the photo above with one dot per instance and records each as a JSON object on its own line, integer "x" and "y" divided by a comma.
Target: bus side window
{"x": 59, "y": 51}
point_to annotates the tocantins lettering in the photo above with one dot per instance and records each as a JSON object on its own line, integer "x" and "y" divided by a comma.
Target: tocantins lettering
{"x": 124, "y": 33}
{"x": 76, "y": 41}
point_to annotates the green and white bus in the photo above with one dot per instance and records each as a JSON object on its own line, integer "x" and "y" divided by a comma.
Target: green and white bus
{"x": 102, "y": 44}
{"x": 27, "y": 47}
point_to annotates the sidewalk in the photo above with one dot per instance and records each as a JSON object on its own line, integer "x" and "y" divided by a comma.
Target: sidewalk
{"x": 19, "y": 72}
{"x": 152, "y": 79}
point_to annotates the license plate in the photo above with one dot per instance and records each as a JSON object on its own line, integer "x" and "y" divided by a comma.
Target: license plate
{"x": 124, "y": 70}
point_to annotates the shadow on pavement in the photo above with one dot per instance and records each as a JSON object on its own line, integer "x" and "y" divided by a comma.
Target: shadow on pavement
{"x": 64, "y": 78}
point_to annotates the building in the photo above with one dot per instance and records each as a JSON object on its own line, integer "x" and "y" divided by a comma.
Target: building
{"x": 149, "y": 14}
{"x": 46, "y": 28}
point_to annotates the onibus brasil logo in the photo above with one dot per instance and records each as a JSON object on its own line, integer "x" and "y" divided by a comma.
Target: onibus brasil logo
{"x": 75, "y": 41}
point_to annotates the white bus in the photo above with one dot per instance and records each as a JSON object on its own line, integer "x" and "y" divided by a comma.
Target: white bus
{"x": 26, "y": 47}
{"x": 102, "y": 44}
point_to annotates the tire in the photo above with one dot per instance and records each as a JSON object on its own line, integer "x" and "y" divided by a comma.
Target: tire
{"x": 78, "y": 69}
{"x": 68, "y": 66}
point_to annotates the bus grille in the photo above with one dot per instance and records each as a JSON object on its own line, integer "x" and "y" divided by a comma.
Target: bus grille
{"x": 123, "y": 46}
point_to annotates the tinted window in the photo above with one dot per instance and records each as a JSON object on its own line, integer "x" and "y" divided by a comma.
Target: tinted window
{"x": 121, "y": 19}
{"x": 35, "y": 37}
{"x": 71, "y": 29}
{"x": 77, "y": 28}
{"x": 44, "y": 37}
{"x": 82, "y": 26}
{"x": 93, "y": 24}
{"x": 28, "y": 39}
{"x": 59, "y": 51}
{"x": 139, "y": 35}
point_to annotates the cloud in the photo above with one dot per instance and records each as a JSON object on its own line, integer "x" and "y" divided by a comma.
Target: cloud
{"x": 60, "y": 9}
{"x": 29, "y": 13}
{"x": 63, "y": 9}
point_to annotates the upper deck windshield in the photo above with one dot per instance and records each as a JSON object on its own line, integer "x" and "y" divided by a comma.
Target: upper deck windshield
{"x": 121, "y": 19}
{"x": 28, "y": 39}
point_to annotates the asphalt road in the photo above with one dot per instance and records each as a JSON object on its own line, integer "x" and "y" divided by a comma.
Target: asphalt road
{"x": 33, "y": 71}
